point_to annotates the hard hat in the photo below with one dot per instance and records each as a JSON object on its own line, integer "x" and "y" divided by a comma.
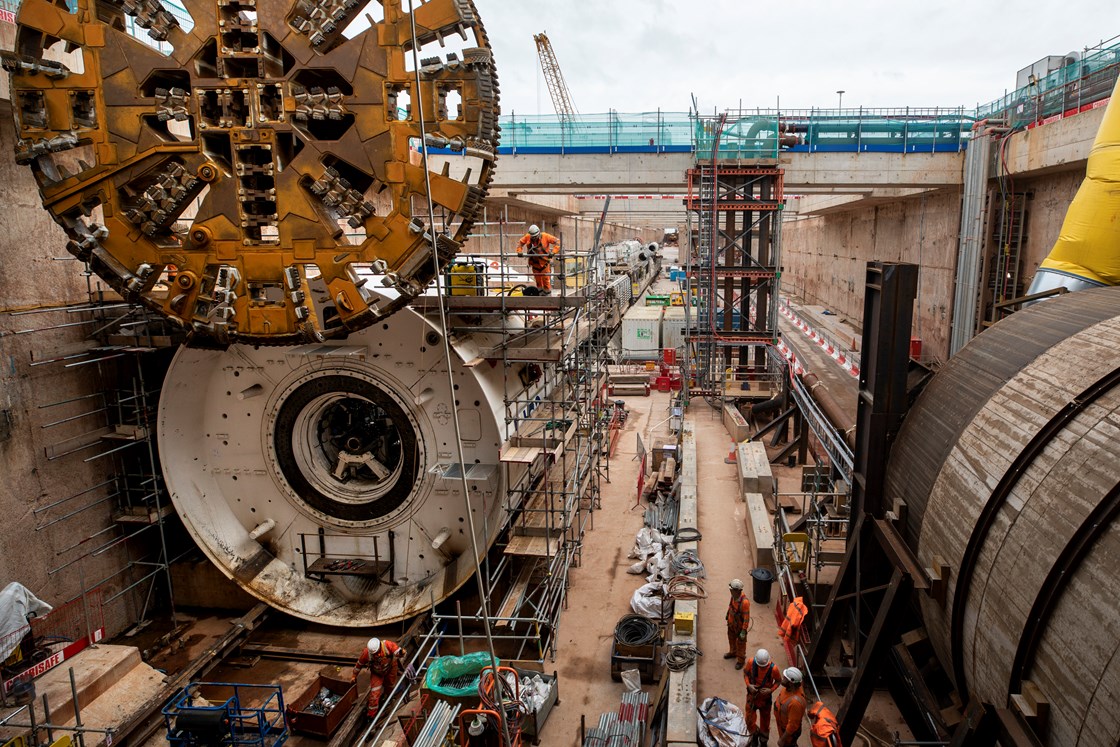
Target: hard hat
{"x": 762, "y": 656}
{"x": 735, "y": 584}
{"x": 793, "y": 674}
{"x": 534, "y": 230}
{"x": 374, "y": 645}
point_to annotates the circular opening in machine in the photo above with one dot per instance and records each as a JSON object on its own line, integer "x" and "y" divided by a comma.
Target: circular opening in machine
{"x": 347, "y": 448}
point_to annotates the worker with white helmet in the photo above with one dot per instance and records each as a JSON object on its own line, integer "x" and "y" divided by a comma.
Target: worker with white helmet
{"x": 540, "y": 248}
{"x": 789, "y": 708}
{"x": 762, "y": 677}
{"x": 738, "y": 622}
{"x": 384, "y": 660}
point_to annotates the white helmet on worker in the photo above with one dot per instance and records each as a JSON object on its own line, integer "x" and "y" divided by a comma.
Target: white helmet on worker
{"x": 735, "y": 584}
{"x": 534, "y": 230}
{"x": 793, "y": 674}
{"x": 374, "y": 646}
{"x": 762, "y": 656}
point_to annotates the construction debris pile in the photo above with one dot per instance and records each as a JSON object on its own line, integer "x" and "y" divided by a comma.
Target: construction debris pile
{"x": 323, "y": 703}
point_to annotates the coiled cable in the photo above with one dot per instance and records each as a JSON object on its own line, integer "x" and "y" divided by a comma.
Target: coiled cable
{"x": 635, "y": 630}
{"x": 679, "y": 656}
{"x": 687, "y": 534}
{"x": 685, "y": 587}
{"x": 507, "y": 695}
{"x": 687, "y": 563}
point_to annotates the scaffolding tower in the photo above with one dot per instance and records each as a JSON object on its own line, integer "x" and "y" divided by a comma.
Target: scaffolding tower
{"x": 554, "y": 350}
{"x": 734, "y": 206}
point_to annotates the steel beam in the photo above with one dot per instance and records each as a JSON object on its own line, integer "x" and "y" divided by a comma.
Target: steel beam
{"x": 888, "y": 311}
{"x": 871, "y": 659}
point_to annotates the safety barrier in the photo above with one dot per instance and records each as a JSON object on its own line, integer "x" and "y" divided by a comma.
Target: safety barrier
{"x": 1074, "y": 88}
{"x": 47, "y": 641}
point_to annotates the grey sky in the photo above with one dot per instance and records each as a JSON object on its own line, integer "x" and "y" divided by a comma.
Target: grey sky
{"x": 638, "y": 55}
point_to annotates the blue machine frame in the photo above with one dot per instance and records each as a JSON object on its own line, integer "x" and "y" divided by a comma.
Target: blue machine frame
{"x": 254, "y": 714}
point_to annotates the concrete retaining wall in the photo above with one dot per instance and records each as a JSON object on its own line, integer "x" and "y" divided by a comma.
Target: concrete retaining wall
{"x": 30, "y": 277}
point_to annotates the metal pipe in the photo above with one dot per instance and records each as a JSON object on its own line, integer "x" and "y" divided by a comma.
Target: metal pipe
{"x": 74, "y": 513}
{"x": 72, "y": 399}
{"x": 73, "y": 418}
{"x": 830, "y": 408}
{"x": 47, "y": 718}
{"x": 77, "y": 708}
{"x": 90, "y": 489}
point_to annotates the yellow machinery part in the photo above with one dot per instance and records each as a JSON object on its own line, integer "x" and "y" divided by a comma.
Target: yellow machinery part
{"x": 210, "y": 183}
{"x": 1089, "y": 243}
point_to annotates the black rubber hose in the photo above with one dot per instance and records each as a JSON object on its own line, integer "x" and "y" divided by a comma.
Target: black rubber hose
{"x": 687, "y": 534}
{"x": 635, "y": 630}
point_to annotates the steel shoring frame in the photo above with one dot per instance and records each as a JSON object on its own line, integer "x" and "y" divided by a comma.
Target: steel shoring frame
{"x": 717, "y": 190}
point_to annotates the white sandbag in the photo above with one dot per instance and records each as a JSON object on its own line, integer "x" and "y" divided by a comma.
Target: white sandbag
{"x": 16, "y": 603}
{"x": 721, "y": 724}
{"x": 647, "y": 601}
{"x": 632, "y": 680}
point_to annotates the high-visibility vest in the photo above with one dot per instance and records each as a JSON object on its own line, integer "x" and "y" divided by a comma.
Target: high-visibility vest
{"x": 761, "y": 677}
{"x": 795, "y": 615}
{"x": 383, "y": 662}
{"x": 825, "y": 731}
{"x": 541, "y": 252}
{"x": 738, "y": 613}
{"x": 789, "y": 709}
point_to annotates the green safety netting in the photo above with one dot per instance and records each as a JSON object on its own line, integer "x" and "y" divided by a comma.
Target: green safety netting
{"x": 446, "y": 669}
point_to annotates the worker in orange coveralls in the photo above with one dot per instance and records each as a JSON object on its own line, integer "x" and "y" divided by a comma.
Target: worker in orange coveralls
{"x": 789, "y": 708}
{"x": 738, "y": 621}
{"x": 795, "y": 615}
{"x": 762, "y": 678}
{"x": 384, "y": 661}
{"x": 540, "y": 248}
{"x": 824, "y": 731}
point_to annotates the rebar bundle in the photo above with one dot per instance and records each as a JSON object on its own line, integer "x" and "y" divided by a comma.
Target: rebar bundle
{"x": 662, "y": 515}
{"x": 624, "y": 728}
{"x": 436, "y": 725}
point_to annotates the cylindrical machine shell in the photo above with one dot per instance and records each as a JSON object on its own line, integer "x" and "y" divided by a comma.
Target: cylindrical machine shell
{"x": 221, "y": 439}
{"x": 977, "y": 416}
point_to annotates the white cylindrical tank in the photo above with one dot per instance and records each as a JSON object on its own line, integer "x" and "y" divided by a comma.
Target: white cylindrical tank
{"x": 325, "y": 480}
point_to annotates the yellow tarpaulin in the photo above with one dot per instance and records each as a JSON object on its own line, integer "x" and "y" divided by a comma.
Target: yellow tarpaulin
{"x": 1089, "y": 243}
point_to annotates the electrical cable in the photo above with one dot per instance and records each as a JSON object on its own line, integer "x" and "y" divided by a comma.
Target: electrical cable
{"x": 508, "y": 698}
{"x": 680, "y": 656}
{"x": 685, "y": 587}
{"x": 636, "y": 630}
{"x": 687, "y": 563}
{"x": 687, "y": 534}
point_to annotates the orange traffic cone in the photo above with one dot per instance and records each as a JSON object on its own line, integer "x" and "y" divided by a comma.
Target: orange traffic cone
{"x": 731, "y": 454}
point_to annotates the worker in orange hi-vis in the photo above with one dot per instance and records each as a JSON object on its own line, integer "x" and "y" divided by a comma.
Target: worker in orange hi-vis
{"x": 762, "y": 678}
{"x": 384, "y": 660}
{"x": 795, "y": 616}
{"x": 540, "y": 248}
{"x": 738, "y": 622}
{"x": 789, "y": 708}
{"x": 824, "y": 731}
